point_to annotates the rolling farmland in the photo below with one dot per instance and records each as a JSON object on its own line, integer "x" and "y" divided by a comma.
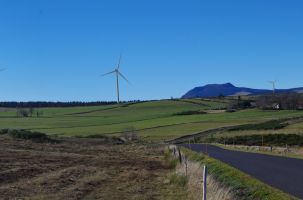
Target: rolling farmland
{"x": 152, "y": 121}
{"x": 77, "y": 128}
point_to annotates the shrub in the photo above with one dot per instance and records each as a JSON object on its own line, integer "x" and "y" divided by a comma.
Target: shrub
{"x": 191, "y": 112}
{"x": 231, "y": 110}
{"x": 3, "y": 131}
{"x": 28, "y": 135}
{"x": 105, "y": 139}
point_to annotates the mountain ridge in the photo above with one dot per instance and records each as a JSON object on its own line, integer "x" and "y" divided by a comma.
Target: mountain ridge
{"x": 228, "y": 89}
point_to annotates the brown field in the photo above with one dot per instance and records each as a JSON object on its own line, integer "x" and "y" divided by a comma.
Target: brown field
{"x": 80, "y": 169}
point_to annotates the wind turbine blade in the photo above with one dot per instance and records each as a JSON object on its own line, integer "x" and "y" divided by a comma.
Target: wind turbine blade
{"x": 108, "y": 73}
{"x": 3, "y": 69}
{"x": 123, "y": 77}
{"x": 119, "y": 61}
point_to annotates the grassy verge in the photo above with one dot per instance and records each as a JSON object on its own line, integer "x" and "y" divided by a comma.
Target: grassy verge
{"x": 244, "y": 186}
{"x": 261, "y": 151}
{"x": 174, "y": 186}
{"x": 268, "y": 139}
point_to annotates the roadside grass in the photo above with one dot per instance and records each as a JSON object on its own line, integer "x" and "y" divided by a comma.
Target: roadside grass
{"x": 243, "y": 186}
{"x": 268, "y": 139}
{"x": 189, "y": 174}
{"x": 216, "y": 191}
{"x": 274, "y": 152}
{"x": 178, "y": 180}
{"x": 173, "y": 191}
{"x": 175, "y": 185}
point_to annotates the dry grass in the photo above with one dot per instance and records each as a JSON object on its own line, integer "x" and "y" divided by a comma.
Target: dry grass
{"x": 217, "y": 191}
{"x": 80, "y": 169}
{"x": 193, "y": 172}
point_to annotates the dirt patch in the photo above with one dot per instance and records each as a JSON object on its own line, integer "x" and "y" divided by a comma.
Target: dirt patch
{"x": 79, "y": 169}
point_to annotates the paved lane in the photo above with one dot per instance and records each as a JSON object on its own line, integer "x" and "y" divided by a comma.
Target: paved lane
{"x": 283, "y": 173}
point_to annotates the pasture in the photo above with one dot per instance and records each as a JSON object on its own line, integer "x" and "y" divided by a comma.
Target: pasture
{"x": 153, "y": 121}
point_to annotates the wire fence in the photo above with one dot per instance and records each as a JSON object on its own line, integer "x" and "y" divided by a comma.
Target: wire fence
{"x": 194, "y": 173}
{"x": 200, "y": 184}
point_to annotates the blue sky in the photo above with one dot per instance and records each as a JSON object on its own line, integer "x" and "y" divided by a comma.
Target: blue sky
{"x": 55, "y": 50}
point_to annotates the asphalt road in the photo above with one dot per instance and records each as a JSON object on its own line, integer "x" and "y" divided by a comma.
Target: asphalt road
{"x": 283, "y": 173}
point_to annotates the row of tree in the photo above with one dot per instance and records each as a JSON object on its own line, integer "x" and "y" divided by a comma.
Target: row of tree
{"x": 40, "y": 104}
{"x": 28, "y": 112}
{"x": 289, "y": 101}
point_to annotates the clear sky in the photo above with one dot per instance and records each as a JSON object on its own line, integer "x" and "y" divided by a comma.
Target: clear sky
{"x": 56, "y": 49}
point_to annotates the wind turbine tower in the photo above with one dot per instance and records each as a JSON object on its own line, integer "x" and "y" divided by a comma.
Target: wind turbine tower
{"x": 273, "y": 86}
{"x": 118, "y": 74}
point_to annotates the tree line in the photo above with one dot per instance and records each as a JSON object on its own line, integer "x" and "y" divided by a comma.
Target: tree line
{"x": 44, "y": 104}
{"x": 287, "y": 101}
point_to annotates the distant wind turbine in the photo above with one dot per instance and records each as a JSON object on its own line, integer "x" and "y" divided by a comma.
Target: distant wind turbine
{"x": 118, "y": 73}
{"x": 273, "y": 86}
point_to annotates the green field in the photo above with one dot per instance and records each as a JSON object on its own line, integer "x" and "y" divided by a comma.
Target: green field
{"x": 154, "y": 120}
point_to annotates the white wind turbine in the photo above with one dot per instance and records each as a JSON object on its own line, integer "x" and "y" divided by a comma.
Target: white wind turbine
{"x": 117, "y": 73}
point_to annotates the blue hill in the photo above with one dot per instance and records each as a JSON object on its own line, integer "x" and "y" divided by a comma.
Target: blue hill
{"x": 228, "y": 89}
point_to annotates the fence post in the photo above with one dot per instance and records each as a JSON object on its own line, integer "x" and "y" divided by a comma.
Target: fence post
{"x": 180, "y": 155}
{"x": 204, "y": 181}
{"x": 186, "y": 167}
{"x": 206, "y": 149}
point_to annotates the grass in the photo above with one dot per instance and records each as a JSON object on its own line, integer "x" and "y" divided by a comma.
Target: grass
{"x": 262, "y": 150}
{"x": 189, "y": 174}
{"x": 153, "y": 121}
{"x": 178, "y": 180}
{"x": 243, "y": 186}
{"x": 174, "y": 187}
{"x": 260, "y": 140}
